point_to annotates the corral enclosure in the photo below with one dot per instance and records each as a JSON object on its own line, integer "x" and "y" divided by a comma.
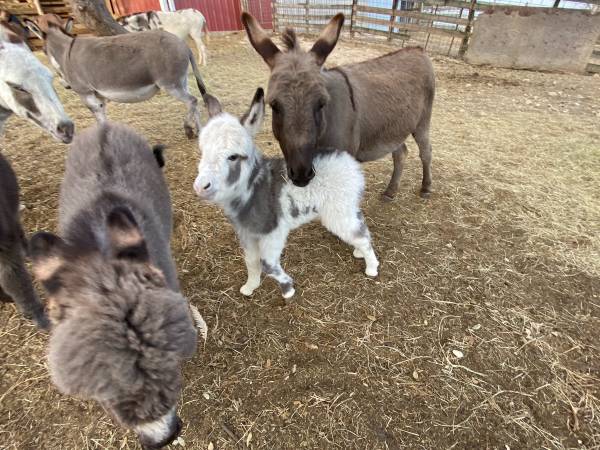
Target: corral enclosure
{"x": 481, "y": 331}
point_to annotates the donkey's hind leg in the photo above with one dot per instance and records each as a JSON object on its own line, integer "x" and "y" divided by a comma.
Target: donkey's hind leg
{"x": 191, "y": 123}
{"x": 352, "y": 229}
{"x": 399, "y": 156}
{"x": 96, "y": 105}
{"x": 15, "y": 283}
{"x": 421, "y": 136}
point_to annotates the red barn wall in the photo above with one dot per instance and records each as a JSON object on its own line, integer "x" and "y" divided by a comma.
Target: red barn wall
{"x": 221, "y": 15}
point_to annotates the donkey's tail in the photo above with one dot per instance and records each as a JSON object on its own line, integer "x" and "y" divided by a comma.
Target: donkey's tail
{"x": 199, "y": 81}
{"x": 206, "y": 31}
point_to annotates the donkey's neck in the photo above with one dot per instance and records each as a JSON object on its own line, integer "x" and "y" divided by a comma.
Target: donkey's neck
{"x": 256, "y": 208}
{"x": 58, "y": 47}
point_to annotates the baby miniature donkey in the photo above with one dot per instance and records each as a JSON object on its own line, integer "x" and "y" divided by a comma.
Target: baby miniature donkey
{"x": 264, "y": 206}
{"x": 121, "y": 328}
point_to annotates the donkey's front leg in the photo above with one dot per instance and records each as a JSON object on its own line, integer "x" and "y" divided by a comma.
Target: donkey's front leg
{"x": 252, "y": 258}
{"x": 271, "y": 247}
{"x": 97, "y": 105}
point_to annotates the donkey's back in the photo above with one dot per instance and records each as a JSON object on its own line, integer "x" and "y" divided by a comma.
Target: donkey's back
{"x": 109, "y": 165}
{"x": 394, "y": 95}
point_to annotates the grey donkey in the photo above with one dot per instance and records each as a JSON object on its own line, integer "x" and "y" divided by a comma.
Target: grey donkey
{"x": 368, "y": 108}
{"x": 121, "y": 327}
{"x": 15, "y": 282}
{"x": 127, "y": 68}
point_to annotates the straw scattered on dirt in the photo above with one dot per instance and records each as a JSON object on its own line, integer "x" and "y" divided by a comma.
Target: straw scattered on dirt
{"x": 482, "y": 330}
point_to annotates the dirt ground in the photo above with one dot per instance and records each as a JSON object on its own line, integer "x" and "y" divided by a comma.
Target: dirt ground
{"x": 481, "y": 332}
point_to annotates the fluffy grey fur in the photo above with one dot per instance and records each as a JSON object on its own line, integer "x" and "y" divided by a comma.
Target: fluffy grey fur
{"x": 261, "y": 212}
{"x": 15, "y": 282}
{"x": 122, "y": 329}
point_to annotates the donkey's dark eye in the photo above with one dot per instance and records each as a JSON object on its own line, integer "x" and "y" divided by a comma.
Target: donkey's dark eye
{"x": 16, "y": 87}
{"x": 233, "y": 157}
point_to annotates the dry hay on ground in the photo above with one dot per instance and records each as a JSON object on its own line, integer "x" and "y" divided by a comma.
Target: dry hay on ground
{"x": 481, "y": 331}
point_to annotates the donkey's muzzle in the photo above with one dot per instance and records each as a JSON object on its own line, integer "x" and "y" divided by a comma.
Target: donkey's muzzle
{"x": 301, "y": 177}
{"x": 149, "y": 441}
{"x": 65, "y": 131}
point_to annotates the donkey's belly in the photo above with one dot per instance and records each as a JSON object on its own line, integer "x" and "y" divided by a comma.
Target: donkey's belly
{"x": 139, "y": 94}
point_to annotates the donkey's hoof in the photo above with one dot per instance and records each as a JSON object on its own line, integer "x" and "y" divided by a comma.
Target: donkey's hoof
{"x": 289, "y": 293}
{"x": 42, "y": 322}
{"x": 357, "y": 254}
{"x": 190, "y": 132}
{"x": 425, "y": 194}
{"x": 247, "y": 290}
{"x": 371, "y": 272}
{"x": 387, "y": 197}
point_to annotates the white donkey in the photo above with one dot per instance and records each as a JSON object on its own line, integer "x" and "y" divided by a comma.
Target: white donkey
{"x": 183, "y": 23}
{"x": 264, "y": 206}
{"x": 26, "y": 87}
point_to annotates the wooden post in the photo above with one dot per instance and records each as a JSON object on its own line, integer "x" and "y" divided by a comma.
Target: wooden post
{"x": 556, "y": 3}
{"x": 465, "y": 42}
{"x": 38, "y": 7}
{"x": 274, "y": 16}
{"x": 306, "y": 19}
{"x": 392, "y": 19}
{"x": 353, "y": 17}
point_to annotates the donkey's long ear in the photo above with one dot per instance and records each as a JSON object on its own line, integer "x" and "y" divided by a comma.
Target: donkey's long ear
{"x": 253, "y": 118}
{"x": 212, "y": 105}
{"x": 126, "y": 239}
{"x": 328, "y": 38}
{"x": 259, "y": 39}
{"x": 68, "y": 27}
{"x": 34, "y": 28}
{"x": 47, "y": 252}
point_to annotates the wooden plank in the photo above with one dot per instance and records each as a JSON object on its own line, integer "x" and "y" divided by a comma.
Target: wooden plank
{"x": 432, "y": 17}
{"x": 400, "y": 36}
{"x": 302, "y": 6}
{"x": 304, "y": 17}
{"x": 300, "y": 23}
{"x": 593, "y": 68}
{"x": 411, "y": 27}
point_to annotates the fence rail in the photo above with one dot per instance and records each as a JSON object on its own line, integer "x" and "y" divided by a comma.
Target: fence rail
{"x": 441, "y": 26}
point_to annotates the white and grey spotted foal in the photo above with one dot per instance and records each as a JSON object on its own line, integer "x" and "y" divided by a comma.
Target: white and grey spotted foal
{"x": 263, "y": 206}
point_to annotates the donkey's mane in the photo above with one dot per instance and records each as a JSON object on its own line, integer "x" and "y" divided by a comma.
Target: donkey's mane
{"x": 290, "y": 40}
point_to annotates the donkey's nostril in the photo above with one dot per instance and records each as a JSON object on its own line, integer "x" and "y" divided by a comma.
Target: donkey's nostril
{"x": 310, "y": 174}
{"x": 206, "y": 186}
{"x": 66, "y": 129}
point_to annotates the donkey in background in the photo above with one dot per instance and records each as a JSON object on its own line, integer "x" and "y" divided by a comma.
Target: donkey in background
{"x": 26, "y": 86}
{"x": 121, "y": 328}
{"x": 127, "y": 68}
{"x": 182, "y": 23}
{"x": 263, "y": 207}
{"x": 15, "y": 282}
{"x": 368, "y": 108}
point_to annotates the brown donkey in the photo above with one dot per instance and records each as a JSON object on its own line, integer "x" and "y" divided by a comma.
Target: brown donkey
{"x": 368, "y": 108}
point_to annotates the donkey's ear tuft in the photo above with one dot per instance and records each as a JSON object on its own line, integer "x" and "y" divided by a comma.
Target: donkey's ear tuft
{"x": 47, "y": 252}
{"x": 253, "y": 118}
{"x": 34, "y": 28}
{"x": 159, "y": 154}
{"x": 212, "y": 105}
{"x": 126, "y": 239}
{"x": 328, "y": 38}
{"x": 259, "y": 39}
